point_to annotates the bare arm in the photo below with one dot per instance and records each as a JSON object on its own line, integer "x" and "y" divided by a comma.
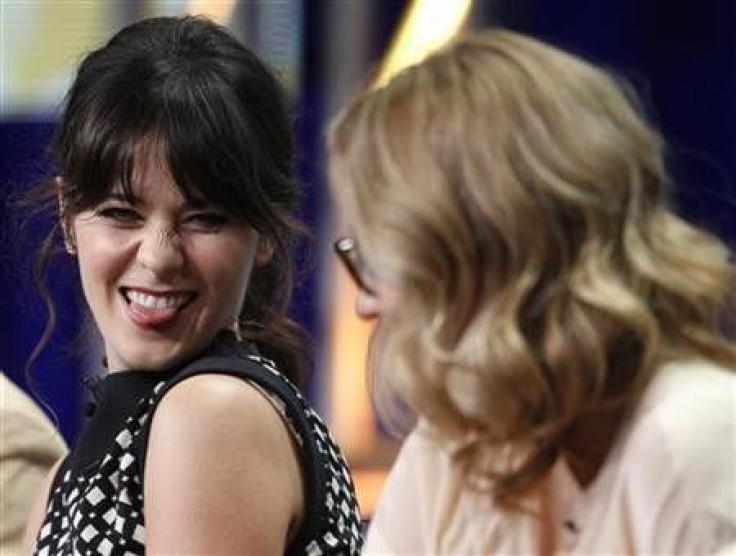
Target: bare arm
{"x": 222, "y": 472}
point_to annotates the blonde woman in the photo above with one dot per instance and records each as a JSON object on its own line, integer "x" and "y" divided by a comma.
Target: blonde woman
{"x": 559, "y": 333}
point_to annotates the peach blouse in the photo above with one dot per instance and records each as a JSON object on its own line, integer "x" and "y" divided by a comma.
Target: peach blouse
{"x": 667, "y": 487}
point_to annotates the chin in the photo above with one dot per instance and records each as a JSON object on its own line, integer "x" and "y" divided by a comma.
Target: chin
{"x": 157, "y": 354}
{"x": 152, "y": 361}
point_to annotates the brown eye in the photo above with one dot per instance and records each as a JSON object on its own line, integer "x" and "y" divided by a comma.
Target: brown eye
{"x": 121, "y": 215}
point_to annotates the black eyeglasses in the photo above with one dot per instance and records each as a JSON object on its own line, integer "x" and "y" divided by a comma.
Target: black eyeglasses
{"x": 349, "y": 253}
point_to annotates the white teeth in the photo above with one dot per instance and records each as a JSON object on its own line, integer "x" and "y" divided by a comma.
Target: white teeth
{"x": 157, "y": 302}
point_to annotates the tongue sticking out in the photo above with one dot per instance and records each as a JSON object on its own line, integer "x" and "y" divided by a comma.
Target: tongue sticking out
{"x": 145, "y": 316}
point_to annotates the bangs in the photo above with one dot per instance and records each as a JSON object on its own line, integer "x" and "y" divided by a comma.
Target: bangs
{"x": 101, "y": 154}
{"x": 210, "y": 150}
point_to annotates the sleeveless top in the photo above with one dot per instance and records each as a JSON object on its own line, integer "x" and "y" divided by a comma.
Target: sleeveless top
{"x": 96, "y": 503}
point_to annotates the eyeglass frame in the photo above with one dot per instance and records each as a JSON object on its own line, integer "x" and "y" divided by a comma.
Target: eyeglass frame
{"x": 348, "y": 251}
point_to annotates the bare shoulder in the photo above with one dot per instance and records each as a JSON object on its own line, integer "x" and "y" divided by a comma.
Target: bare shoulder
{"x": 217, "y": 449}
{"x": 217, "y": 399}
{"x": 217, "y": 413}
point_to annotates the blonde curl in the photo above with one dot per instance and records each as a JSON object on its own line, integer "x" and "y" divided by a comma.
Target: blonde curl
{"x": 521, "y": 200}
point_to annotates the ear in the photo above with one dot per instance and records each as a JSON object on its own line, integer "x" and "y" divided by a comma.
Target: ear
{"x": 66, "y": 228}
{"x": 264, "y": 251}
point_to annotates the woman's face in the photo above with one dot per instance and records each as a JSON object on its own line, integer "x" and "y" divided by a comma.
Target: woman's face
{"x": 372, "y": 305}
{"x": 161, "y": 276}
{"x": 377, "y": 288}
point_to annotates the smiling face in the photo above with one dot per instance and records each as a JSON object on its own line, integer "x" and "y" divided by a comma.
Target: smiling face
{"x": 161, "y": 276}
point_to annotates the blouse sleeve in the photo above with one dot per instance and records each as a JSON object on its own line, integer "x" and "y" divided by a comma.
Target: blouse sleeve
{"x": 401, "y": 520}
{"x": 685, "y": 480}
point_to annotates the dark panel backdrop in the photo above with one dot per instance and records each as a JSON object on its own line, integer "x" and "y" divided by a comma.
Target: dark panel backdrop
{"x": 59, "y": 374}
{"x": 680, "y": 54}
{"x": 56, "y": 376}
{"x": 681, "y": 57}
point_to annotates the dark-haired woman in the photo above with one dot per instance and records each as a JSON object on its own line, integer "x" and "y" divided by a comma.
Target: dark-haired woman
{"x": 176, "y": 196}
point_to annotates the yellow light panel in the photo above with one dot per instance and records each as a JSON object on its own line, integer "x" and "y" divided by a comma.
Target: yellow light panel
{"x": 217, "y": 10}
{"x": 427, "y": 25}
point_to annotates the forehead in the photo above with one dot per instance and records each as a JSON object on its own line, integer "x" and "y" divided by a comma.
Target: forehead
{"x": 150, "y": 166}
{"x": 152, "y": 180}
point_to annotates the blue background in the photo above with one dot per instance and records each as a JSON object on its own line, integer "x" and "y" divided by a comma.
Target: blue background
{"x": 681, "y": 56}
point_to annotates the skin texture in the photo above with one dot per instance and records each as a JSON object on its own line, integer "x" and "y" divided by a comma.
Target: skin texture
{"x": 384, "y": 296}
{"x": 161, "y": 245}
{"x": 208, "y": 498}
{"x": 202, "y": 496}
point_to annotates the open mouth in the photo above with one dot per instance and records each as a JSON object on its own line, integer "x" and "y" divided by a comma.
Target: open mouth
{"x": 155, "y": 308}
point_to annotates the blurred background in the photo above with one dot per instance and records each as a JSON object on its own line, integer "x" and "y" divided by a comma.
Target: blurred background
{"x": 680, "y": 55}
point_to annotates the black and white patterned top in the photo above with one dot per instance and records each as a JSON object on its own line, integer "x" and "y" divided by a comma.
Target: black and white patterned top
{"x": 96, "y": 504}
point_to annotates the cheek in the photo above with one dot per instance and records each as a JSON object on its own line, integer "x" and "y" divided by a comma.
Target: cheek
{"x": 101, "y": 258}
{"x": 383, "y": 301}
{"x": 234, "y": 283}
{"x": 226, "y": 269}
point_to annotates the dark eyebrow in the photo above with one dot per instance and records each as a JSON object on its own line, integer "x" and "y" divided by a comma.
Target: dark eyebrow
{"x": 132, "y": 199}
{"x": 198, "y": 204}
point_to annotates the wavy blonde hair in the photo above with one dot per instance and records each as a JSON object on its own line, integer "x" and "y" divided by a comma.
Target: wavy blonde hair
{"x": 521, "y": 201}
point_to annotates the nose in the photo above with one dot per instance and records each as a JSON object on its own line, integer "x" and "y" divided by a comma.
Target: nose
{"x": 160, "y": 251}
{"x": 368, "y": 306}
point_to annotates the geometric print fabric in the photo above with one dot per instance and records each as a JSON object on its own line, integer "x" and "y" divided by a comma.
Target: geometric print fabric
{"x": 99, "y": 510}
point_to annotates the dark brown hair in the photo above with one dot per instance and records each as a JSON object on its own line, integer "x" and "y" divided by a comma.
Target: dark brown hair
{"x": 222, "y": 122}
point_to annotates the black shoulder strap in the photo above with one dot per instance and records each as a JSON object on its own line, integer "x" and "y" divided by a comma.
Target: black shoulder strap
{"x": 296, "y": 410}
